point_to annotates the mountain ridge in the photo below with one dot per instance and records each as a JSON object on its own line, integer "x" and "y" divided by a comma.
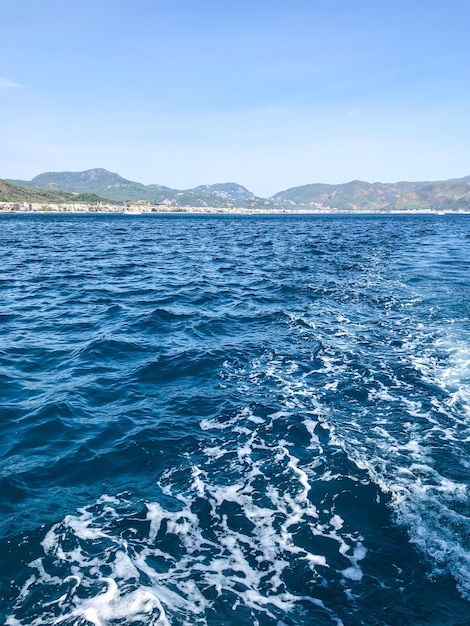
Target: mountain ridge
{"x": 356, "y": 195}
{"x": 113, "y": 186}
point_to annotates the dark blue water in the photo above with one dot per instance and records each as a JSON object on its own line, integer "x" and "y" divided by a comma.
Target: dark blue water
{"x": 234, "y": 420}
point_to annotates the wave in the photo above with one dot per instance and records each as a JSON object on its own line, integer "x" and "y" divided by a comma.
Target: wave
{"x": 256, "y": 422}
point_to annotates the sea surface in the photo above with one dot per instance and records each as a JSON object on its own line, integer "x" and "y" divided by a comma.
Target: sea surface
{"x": 234, "y": 420}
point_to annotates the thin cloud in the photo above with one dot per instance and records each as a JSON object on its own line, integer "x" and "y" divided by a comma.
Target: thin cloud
{"x": 8, "y": 84}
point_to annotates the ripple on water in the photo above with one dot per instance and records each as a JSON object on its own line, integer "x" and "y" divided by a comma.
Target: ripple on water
{"x": 233, "y": 420}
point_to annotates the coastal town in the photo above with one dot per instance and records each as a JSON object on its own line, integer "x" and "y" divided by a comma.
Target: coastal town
{"x": 141, "y": 207}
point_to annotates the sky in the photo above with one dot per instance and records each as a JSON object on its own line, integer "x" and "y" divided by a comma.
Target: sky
{"x": 264, "y": 93}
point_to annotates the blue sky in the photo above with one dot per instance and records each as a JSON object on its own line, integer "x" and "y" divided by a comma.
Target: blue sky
{"x": 265, "y": 93}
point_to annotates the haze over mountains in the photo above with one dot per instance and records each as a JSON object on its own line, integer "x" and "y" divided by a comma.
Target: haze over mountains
{"x": 450, "y": 195}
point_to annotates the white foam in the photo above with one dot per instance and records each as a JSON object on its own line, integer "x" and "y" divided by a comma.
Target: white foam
{"x": 353, "y": 573}
{"x": 231, "y": 560}
{"x": 81, "y": 526}
{"x": 310, "y": 425}
{"x": 317, "y": 559}
{"x": 293, "y": 463}
{"x": 337, "y": 522}
{"x": 198, "y": 484}
{"x": 111, "y": 606}
{"x": 246, "y": 555}
{"x": 155, "y": 514}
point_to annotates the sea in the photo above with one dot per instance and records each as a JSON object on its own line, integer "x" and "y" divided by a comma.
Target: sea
{"x": 234, "y": 420}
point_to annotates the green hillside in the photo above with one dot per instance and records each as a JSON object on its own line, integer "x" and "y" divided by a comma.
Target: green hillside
{"x": 118, "y": 189}
{"x": 359, "y": 195}
{"x": 10, "y": 192}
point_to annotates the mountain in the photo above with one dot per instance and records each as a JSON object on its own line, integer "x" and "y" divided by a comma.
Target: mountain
{"x": 450, "y": 195}
{"x": 114, "y": 187}
{"x": 10, "y": 192}
{"x": 354, "y": 195}
{"x": 358, "y": 195}
{"x": 98, "y": 181}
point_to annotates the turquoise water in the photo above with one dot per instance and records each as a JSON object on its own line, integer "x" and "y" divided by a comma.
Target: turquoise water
{"x": 234, "y": 420}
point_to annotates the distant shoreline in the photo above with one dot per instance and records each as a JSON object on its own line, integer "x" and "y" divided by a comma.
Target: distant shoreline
{"x": 194, "y": 211}
{"x": 88, "y": 191}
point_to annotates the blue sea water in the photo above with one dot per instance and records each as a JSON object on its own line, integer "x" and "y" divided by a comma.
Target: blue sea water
{"x": 234, "y": 420}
